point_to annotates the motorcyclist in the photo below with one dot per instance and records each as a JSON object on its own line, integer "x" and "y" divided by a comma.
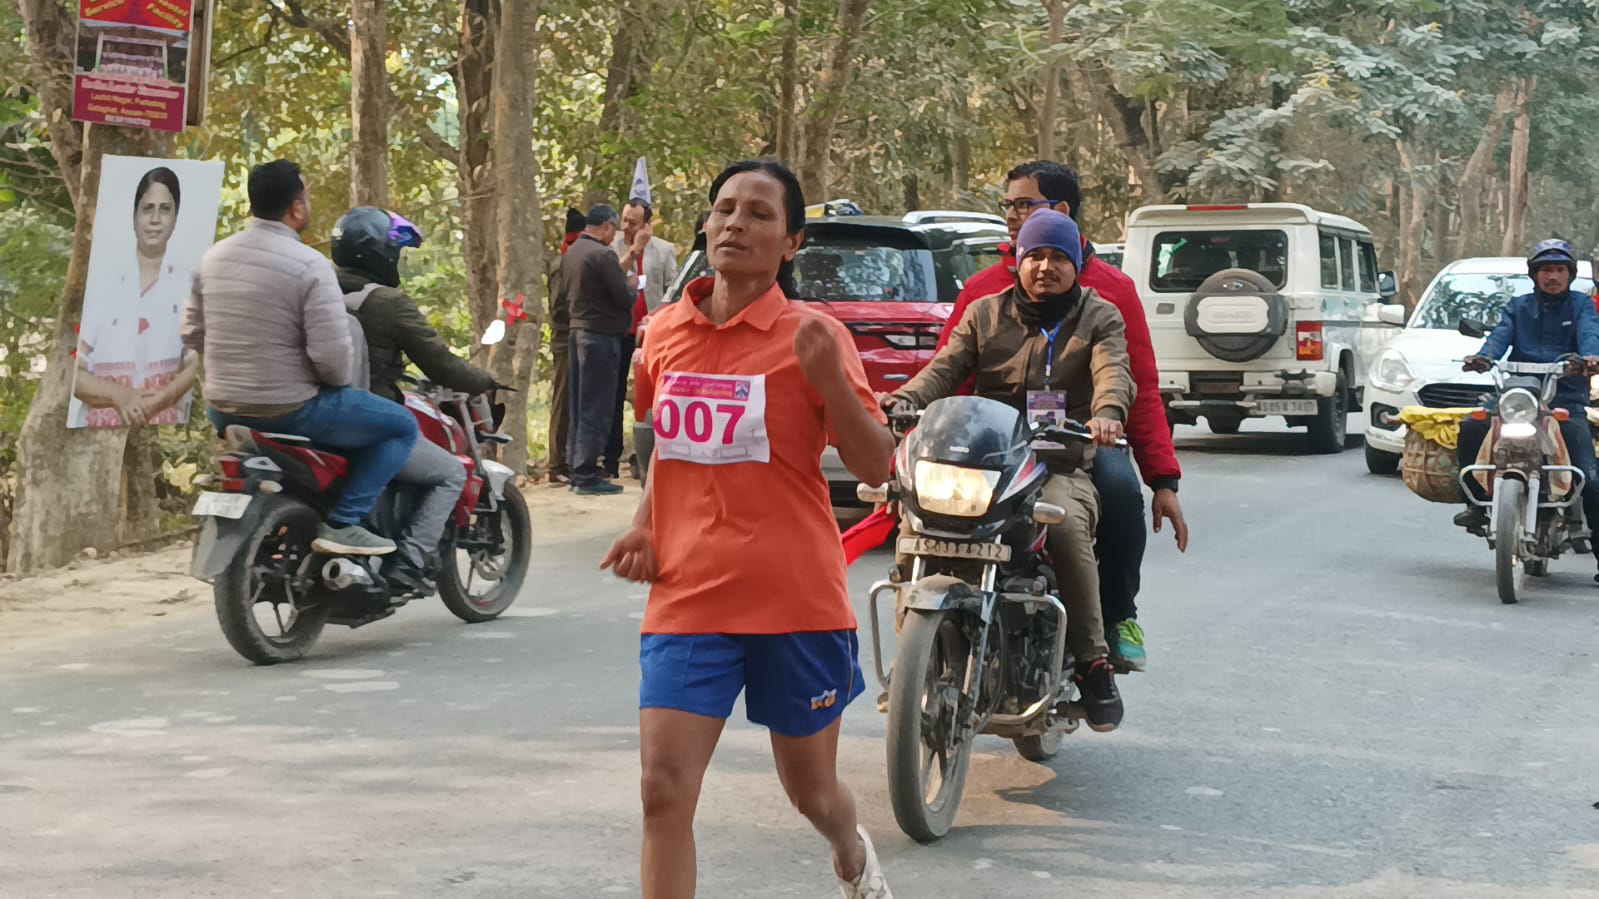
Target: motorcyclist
{"x": 367, "y": 242}
{"x": 1542, "y": 326}
{"x": 1043, "y": 345}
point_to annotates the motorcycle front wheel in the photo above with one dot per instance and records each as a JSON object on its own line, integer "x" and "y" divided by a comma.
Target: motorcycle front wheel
{"x": 478, "y": 580}
{"x": 255, "y": 604}
{"x": 1510, "y": 511}
{"x": 928, "y": 755}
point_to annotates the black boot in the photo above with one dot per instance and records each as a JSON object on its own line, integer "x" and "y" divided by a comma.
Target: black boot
{"x": 1474, "y": 519}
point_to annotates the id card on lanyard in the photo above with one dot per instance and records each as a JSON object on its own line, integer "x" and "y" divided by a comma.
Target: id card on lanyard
{"x": 1047, "y": 406}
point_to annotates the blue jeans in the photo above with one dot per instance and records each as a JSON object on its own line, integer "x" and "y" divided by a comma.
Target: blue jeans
{"x": 1121, "y": 538}
{"x": 596, "y": 359}
{"x": 374, "y": 433}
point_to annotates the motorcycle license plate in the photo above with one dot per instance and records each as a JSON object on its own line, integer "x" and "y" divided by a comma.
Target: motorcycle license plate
{"x": 950, "y": 549}
{"x": 222, "y": 505}
{"x": 1285, "y": 407}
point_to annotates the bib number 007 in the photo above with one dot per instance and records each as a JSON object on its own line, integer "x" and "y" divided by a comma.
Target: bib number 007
{"x": 695, "y": 420}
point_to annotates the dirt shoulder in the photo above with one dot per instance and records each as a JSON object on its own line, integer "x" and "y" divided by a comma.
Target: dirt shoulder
{"x": 93, "y": 595}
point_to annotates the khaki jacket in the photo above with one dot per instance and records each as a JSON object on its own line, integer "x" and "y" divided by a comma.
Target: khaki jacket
{"x": 1007, "y": 358}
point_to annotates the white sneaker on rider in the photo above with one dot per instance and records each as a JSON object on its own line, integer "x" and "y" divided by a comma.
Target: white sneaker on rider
{"x": 871, "y": 884}
{"x": 351, "y": 540}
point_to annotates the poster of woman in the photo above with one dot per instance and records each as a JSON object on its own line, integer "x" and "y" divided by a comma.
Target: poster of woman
{"x": 154, "y": 218}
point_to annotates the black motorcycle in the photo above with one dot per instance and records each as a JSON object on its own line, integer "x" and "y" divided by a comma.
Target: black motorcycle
{"x": 981, "y": 643}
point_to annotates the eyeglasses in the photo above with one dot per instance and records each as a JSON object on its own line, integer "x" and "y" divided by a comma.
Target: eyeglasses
{"x": 1022, "y": 205}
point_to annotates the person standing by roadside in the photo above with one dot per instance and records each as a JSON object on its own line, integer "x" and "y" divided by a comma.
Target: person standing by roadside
{"x": 747, "y": 387}
{"x": 1043, "y": 184}
{"x": 600, "y": 298}
{"x": 557, "y": 467}
{"x": 654, "y": 262}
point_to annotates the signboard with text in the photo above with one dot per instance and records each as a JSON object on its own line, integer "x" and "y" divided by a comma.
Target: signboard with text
{"x": 132, "y": 66}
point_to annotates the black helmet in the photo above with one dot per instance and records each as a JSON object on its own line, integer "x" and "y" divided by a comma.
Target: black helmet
{"x": 1553, "y": 251}
{"x": 369, "y": 240}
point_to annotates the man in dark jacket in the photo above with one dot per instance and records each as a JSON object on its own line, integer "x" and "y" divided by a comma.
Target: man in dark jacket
{"x": 557, "y": 464}
{"x": 600, "y": 297}
{"x": 1551, "y": 322}
{"x": 367, "y": 243}
{"x": 1031, "y": 187}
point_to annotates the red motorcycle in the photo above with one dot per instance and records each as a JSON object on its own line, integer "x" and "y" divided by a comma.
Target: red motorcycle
{"x": 275, "y": 594}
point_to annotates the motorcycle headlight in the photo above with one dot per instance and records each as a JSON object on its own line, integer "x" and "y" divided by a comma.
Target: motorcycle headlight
{"x": 951, "y": 490}
{"x": 1518, "y": 407}
{"x": 1391, "y": 373}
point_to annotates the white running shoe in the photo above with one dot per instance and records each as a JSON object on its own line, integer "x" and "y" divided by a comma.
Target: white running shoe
{"x": 871, "y": 884}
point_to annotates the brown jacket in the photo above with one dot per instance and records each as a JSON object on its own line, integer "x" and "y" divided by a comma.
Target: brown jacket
{"x": 1007, "y": 358}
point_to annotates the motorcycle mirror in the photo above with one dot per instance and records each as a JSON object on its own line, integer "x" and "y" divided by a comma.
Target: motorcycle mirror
{"x": 494, "y": 333}
{"x": 1471, "y": 327}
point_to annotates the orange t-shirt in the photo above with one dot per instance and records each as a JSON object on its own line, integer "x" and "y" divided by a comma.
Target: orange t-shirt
{"x": 745, "y": 540}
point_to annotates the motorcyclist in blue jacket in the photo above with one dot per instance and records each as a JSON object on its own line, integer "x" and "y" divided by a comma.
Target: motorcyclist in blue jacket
{"x": 1542, "y": 326}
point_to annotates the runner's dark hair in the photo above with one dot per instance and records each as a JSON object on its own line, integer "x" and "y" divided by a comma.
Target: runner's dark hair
{"x": 159, "y": 175}
{"x": 793, "y": 204}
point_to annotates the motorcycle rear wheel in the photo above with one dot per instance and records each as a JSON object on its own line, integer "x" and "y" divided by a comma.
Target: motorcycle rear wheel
{"x": 256, "y": 576}
{"x": 499, "y": 574}
{"x": 925, "y": 781}
{"x": 1510, "y": 510}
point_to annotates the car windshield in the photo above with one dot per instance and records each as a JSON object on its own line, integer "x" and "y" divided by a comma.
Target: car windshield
{"x": 1184, "y": 259}
{"x": 1478, "y": 296}
{"x": 854, "y": 273}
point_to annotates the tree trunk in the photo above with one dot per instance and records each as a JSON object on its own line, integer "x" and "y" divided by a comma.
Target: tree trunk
{"x": 521, "y": 261}
{"x": 832, "y": 86}
{"x": 788, "y": 85}
{"x": 369, "y": 115}
{"x": 631, "y": 57}
{"x": 1412, "y": 226}
{"x": 1125, "y": 116}
{"x": 69, "y": 482}
{"x": 1049, "y": 108}
{"x": 1473, "y": 178}
{"x": 1520, "y": 140}
{"x": 474, "y": 86}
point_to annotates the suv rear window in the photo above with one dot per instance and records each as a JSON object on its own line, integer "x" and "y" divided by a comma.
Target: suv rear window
{"x": 1184, "y": 259}
{"x": 852, "y": 272}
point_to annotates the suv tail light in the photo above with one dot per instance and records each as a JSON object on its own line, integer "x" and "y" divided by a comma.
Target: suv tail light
{"x": 1307, "y": 341}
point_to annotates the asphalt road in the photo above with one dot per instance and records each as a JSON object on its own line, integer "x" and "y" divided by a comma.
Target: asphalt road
{"x": 1338, "y": 706}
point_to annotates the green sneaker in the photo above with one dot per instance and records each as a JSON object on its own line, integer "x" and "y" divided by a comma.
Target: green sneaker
{"x": 1128, "y": 653}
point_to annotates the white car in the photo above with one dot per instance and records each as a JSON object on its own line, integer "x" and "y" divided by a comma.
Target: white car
{"x": 1421, "y": 367}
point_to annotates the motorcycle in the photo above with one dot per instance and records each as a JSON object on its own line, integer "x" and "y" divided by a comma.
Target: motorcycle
{"x": 1534, "y": 505}
{"x": 274, "y": 594}
{"x": 981, "y": 643}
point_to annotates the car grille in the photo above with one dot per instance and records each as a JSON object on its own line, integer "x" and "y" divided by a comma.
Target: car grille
{"x": 1445, "y": 396}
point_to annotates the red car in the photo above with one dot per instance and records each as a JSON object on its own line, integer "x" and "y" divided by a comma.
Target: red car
{"x": 891, "y": 281}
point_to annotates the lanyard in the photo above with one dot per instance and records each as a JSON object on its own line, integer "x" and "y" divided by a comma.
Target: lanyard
{"x": 1049, "y": 353}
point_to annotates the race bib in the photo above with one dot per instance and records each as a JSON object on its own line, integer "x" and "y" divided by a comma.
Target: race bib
{"x": 711, "y": 419}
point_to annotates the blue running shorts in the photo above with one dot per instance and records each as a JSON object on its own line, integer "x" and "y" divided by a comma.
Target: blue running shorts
{"x": 795, "y": 684}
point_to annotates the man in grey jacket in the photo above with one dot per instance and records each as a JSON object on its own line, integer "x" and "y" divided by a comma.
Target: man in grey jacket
{"x": 267, "y": 317}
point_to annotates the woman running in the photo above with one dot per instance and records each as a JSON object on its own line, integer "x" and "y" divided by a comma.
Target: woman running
{"x": 736, "y": 533}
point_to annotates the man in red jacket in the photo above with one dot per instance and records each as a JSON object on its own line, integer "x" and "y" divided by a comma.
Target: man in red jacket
{"x": 1120, "y": 541}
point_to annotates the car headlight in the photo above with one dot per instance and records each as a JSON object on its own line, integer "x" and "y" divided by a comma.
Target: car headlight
{"x": 1518, "y": 407}
{"x": 951, "y": 490}
{"x": 1391, "y": 373}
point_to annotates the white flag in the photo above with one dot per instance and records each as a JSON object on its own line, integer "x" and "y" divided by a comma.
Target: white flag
{"x": 641, "y": 183}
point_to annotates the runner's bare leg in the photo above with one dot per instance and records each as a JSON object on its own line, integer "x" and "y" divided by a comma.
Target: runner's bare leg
{"x": 674, "y": 748}
{"x": 808, "y": 767}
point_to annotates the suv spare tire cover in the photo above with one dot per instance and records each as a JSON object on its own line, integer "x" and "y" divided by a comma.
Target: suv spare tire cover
{"x": 1236, "y": 315}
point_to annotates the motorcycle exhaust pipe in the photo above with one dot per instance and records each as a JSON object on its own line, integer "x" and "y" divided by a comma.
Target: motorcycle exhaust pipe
{"x": 342, "y": 574}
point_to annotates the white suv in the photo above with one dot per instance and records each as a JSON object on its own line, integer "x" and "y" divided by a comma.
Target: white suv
{"x": 1421, "y": 367}
{"x": 1261, "y": 309}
